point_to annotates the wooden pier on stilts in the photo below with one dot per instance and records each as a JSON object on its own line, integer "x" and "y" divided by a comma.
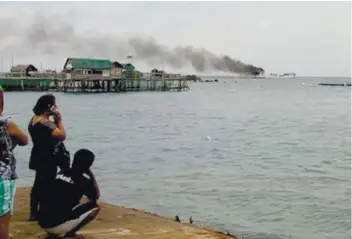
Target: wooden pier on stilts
{"x": 88, "y": 75}
{"x": 119, "y": 85}
{"x": 91, "y": 84}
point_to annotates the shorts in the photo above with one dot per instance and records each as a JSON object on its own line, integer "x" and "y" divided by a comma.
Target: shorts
{"x": 7, "y": 196}
{"x": 79, "y": 214}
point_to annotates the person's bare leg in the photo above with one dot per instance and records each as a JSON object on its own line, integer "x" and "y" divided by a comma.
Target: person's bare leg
{"x": 4, "y": 226}
{"x": 87, "y": 220}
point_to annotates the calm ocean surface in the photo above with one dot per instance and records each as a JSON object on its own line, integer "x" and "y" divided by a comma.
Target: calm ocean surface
{"x": 260, "y": 158}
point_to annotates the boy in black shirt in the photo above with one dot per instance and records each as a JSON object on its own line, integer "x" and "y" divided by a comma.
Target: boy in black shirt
{"x": 60, "y": 213}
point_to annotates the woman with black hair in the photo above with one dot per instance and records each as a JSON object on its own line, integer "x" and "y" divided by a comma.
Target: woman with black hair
{"x": 48, "y": 150}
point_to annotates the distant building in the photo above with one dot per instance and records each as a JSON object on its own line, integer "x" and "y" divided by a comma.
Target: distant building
{"x": 117, "y": 68}
{"x": 86, "y": 67}
{"x": 94, "y": 68}
{"x": 116, "y": 64}
{"x": 23, "y": 70}
{"x": 157, "y": 73}
{"x": 128, "y": 67}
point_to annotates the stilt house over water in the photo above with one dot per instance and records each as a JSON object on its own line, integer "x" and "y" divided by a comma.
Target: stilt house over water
{"x": 83, "y": 68}
{"x": 117, "y": 68}
{"x": 23, "y": 70}
{"x": 94, "y": 69}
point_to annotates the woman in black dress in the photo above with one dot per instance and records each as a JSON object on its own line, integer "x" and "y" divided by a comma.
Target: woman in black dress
{"x": 48, "y": 150}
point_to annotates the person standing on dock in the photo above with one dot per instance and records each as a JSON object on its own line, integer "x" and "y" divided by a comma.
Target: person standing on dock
{"x": 60, "y": 211}
{"x": 10, "y": 136}
{"x": 48, "y": 150}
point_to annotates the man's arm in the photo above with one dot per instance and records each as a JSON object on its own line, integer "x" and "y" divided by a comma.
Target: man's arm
{"x": 95, "y": 184}
{"x": 90, "y": 187}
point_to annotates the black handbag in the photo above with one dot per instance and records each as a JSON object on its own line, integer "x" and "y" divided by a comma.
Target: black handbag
{"x": 62, "y": 156}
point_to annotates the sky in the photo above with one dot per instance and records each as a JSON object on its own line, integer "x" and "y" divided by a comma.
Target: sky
{"x": 308, "y": 38}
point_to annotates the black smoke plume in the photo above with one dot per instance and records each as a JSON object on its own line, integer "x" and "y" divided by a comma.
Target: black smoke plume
{"x": 56, "y": 36}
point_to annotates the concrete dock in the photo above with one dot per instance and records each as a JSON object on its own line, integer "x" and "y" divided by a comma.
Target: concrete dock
{"x": 113, "y": 222}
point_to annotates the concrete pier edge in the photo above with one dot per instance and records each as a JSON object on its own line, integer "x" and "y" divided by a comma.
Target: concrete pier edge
{"x": 114, "y": 222}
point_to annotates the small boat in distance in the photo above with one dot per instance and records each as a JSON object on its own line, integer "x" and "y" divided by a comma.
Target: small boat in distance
{"x": 276, "y": 76}
{"x": 288, "y": 75}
